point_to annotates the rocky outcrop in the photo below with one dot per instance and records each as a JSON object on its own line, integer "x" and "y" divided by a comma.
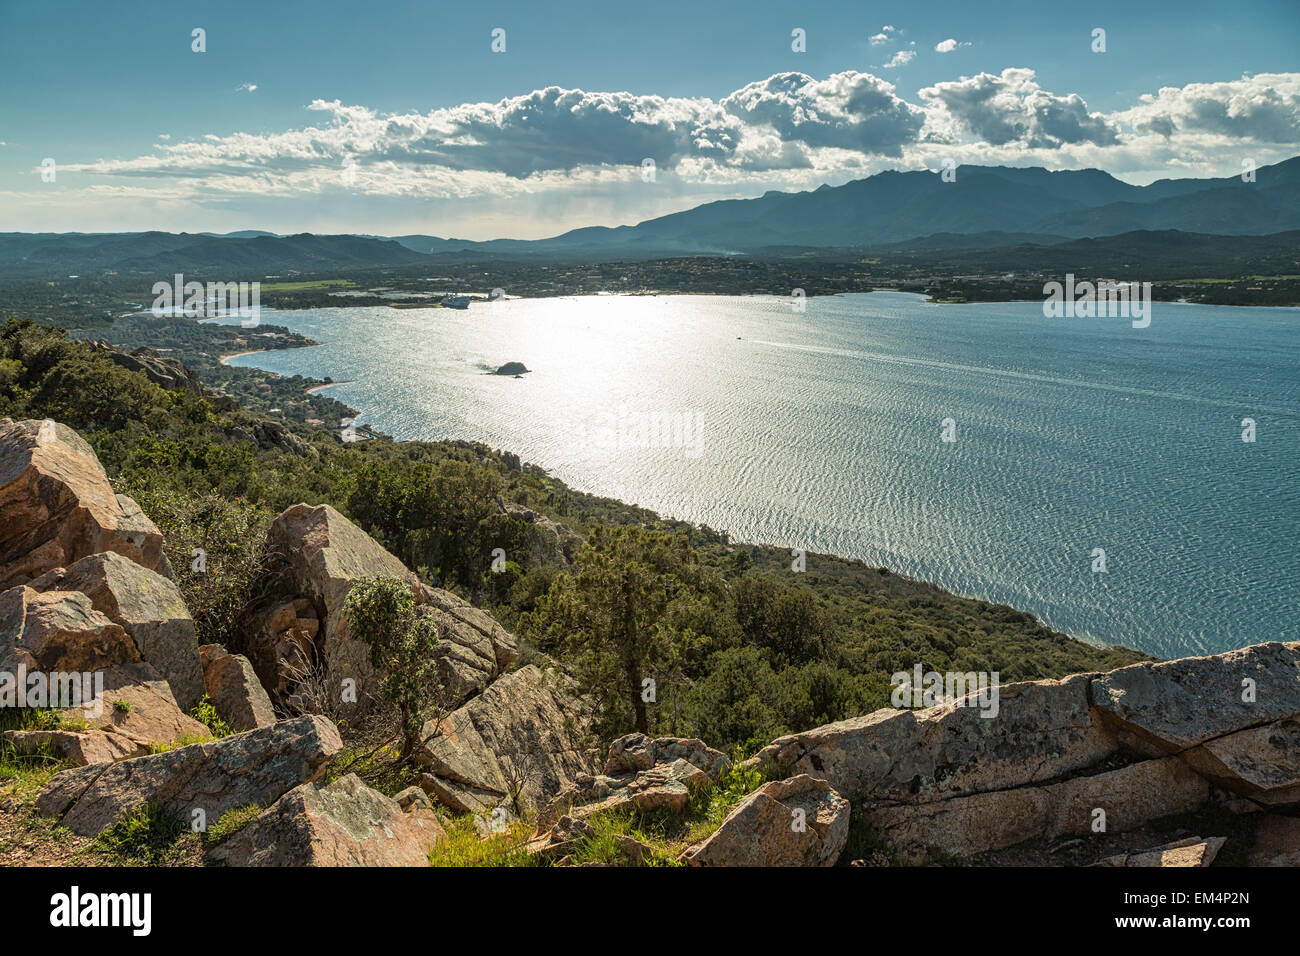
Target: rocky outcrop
{"x": 320, "y": 555}
{"x": 473, "y": 649}
{"x": 164, "y": 371}
{"x": 1174, "y": 705}
{"x": 344, "y": 823}
{"x": 1043, "y": 730}
{"x": 59, "y": 631}
{"x": 271, "y": 435}
{"x": 234, "y": 690}
{"x": 77, "y": 747}
{"x": 560, "y": 542}
{"x": 797, "y": 822}
{"x": 256, "y": 767}
{"x": 148, "y": 606}
{"x": 56, "y": 506}
{"x": 1091, "y": 753}
{"x": 640, "y": 774}
{"x": 517, "y": 744}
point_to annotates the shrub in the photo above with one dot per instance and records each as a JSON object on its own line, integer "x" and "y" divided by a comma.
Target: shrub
{"x": 381, "y": 612}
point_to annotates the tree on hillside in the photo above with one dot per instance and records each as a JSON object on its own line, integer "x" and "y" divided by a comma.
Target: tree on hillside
{"x": 623, "y": 616}
{"x": 381, "y": 612}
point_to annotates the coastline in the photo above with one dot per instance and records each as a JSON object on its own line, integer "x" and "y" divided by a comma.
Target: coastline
{"x": 224, "y": 359}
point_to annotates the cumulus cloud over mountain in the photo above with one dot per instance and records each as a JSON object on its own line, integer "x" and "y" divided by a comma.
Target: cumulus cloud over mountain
{"x": 790, "y": 128}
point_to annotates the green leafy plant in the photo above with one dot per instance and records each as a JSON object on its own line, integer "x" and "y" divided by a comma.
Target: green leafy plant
{"x": 381, "y": 612}
{"x": 205, "y": 713}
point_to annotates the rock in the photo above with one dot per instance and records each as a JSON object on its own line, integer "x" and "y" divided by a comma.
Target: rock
{"x": 56, "y": 506}
{"x": 284, "y": 645}
{"x": 59, "y": 631}
{"x": 966, "y": 826}
{"x": 167, "y": 372}
{"x": 664, "y": 787}
{"x": 236, "y": 694}
{"x": 256, "y": 767}
{"x": 1042, "y": 730}
{"x": 1262, "y": 763}
{"x": 633, "y": 752}
{"x": 413, "y": 797}
{"x": 473, "y": 649}
{"x": 1171, "y": 706}
{"x": 511, "y": 368}
{"x": 559, "y": 841}
{"x": 323, "y": 555}
{"x": 640, "y": 774}
{"x": 1192, "y": 851}
{"x": 137, "y": 703}
{"x": 326, "y": 554}
{"x": 460, "y": 797}
{"x": 1276, "y": 841}
{"x": 344, "y": 823}
{"x": 521, "y": 741}
{"x": 78, "y": 747}
{"x": 801, "y": 821}
{"x": 148, "y": 606}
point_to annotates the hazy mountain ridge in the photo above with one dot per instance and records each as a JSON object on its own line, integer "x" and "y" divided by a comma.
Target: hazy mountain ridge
{"x": 888, "y": 211}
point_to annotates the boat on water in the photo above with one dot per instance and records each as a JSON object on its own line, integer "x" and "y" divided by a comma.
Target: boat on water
{"x": 455, "y": 302}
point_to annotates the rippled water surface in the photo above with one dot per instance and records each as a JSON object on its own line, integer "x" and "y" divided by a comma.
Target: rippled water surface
{"x": 823, "y": 430}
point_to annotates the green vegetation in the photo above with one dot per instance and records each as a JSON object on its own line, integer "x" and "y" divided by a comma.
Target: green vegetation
{"x": 464, "y": 846}
{"x": 146, "y": 837}
{"x": 230, "y": 823}
{"x": 205, "y": 713}
{"x": 381, "y": 612}
{"x": 740, "y": 647}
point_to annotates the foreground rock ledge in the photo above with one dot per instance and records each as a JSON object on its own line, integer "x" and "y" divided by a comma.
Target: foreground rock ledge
{"x": 256, "y": 767}
{"x": 147, "y": 606}
{"x": 344, "y": 823}
{"x": 795, "y": 822}
{"x": 521, "y": 741}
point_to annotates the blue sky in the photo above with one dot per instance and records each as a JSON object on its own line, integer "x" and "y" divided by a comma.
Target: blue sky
{"x": 419, "y": 127}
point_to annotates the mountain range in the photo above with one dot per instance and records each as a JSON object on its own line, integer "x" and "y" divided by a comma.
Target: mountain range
{"x": 982, "y": 207}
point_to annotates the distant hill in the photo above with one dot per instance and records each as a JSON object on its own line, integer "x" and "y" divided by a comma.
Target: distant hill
{"x": 163, "y": 253}
{"x": 985, "y": 207}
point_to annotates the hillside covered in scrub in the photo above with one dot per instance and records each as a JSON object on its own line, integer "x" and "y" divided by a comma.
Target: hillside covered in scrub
{"x": 745, "y": 650}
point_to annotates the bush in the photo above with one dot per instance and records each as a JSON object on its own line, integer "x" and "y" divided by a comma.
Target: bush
{"x": 381, "y": 612}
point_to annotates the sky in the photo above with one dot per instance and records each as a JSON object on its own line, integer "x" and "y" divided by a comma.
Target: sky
{"x": 400, "y": 117}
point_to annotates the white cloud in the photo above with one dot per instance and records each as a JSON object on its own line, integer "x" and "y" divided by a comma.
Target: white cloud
{"x": 1264, "y": 108}
{"x": 901, "y": 58}
{"x": 245, "y": 87}
{"x": 948, "y": 45}
{"x": 557, "y": 148}
{"x": 1013, "y": 108}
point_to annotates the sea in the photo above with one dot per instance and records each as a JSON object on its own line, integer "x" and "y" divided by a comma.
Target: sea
{"x": 1126, "y": 485}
